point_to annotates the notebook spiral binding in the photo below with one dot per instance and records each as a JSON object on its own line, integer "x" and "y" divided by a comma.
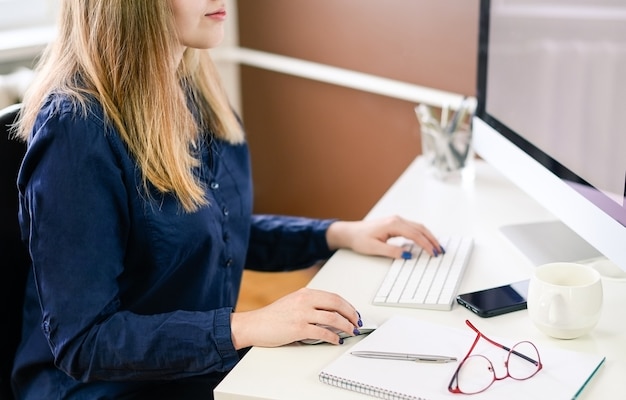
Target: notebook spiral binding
{"x": 365, "y": 389}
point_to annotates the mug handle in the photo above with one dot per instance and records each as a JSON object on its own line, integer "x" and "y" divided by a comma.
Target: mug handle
{"x": 556, "y": 308}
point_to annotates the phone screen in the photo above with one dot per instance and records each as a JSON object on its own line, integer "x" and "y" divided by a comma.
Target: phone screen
{"x": 496, "y": 301}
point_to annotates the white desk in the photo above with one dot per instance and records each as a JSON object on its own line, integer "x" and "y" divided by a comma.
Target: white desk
{"x": 477, "y": 209}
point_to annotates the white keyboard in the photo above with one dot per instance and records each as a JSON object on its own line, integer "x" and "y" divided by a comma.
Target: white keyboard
{"x": 425, "y": 281}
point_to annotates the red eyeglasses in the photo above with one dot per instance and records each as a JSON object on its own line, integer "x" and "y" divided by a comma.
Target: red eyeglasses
{"x": 476, "y": 374}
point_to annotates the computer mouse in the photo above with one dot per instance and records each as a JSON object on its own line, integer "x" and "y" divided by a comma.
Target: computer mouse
{"x": 364, "y": 330}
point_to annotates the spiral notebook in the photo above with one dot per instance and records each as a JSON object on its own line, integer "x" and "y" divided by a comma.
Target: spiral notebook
{"x": 564, "y": 375}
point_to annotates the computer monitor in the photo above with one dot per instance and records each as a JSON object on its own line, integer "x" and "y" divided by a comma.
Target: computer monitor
{"x": 551, "y": 116}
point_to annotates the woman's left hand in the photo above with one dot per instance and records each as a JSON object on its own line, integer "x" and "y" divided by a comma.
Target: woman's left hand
{"x": 370, "y": 236}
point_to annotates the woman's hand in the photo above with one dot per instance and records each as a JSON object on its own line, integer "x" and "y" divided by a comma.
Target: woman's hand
{"x": 295, "y": 317}
{"x": 370, "y": 237}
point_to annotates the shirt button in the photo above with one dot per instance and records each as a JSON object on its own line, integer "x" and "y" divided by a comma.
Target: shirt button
{"x": 226, "y": 211}
{"x": 214, "y": 185}
{"x": 229, "y": 262}
{"x": 46, "y": 327}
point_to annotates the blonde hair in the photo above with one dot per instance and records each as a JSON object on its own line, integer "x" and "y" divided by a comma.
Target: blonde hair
{"x": 122, "y": 52}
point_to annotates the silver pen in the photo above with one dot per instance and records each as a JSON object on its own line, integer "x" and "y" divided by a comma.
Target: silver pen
{"x": 403, "y": 356}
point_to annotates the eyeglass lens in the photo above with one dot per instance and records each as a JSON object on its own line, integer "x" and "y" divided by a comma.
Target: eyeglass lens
{"x": 477, "y": 372}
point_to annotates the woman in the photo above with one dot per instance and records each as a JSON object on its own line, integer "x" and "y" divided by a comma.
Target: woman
{"x": 136, "y": 202}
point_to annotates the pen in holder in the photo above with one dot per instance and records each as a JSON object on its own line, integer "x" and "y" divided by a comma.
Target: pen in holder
{"x": 446, "y": 145}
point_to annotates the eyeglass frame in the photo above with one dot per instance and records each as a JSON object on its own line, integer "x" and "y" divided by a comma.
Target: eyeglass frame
{"x": 453, "y": 386}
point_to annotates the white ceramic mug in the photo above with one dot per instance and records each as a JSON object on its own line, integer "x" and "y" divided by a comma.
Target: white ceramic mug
{"x": 565, "y": 299}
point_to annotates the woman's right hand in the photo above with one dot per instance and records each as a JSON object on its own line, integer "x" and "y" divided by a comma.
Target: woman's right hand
{"x": 296, "y": 316}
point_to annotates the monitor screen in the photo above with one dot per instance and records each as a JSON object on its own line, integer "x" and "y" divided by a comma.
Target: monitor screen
{"x": 551, "y": 90}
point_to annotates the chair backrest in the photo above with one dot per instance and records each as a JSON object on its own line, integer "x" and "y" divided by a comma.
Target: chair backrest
{"x": 13, "y": 254}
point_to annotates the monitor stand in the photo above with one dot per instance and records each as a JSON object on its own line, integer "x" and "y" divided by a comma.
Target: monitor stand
{"x": 553, "y": 241}
{"x": 550, "y": 241}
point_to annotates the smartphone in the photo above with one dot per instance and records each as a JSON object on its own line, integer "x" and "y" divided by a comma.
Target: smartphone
{"x": 497, "y": 300}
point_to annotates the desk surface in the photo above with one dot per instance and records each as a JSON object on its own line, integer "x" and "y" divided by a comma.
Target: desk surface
{"x": 477, "y": 208}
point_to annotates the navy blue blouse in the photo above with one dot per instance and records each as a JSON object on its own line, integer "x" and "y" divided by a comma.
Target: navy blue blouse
{"x": 126, "y": 289}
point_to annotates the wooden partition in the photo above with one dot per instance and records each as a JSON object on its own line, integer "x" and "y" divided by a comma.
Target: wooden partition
{"x": 326, "y": 151}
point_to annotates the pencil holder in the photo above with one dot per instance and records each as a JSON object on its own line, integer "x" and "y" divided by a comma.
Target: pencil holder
{"x": 447, "y": 145}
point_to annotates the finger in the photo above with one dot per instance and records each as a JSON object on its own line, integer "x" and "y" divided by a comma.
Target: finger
{"x": 317, "y": 332}
{"x": 337, "y": 323}
{"x": 334, "y": 308}
{"x": 424, "y": 238}
{"x": 391, "y": 250}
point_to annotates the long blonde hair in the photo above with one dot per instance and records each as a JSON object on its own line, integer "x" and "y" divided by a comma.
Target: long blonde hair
{"x": 122, "y": 53}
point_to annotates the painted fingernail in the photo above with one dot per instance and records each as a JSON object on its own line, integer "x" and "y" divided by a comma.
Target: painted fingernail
{"x": 406, "y": 255}
{"x": 435, "y": 251}
{"x": 356, "y": 331}
{"x": 443, "y": 251}
{"x": 340, "y": 341}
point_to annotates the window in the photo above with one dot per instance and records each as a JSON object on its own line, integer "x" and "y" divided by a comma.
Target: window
{"x": 26, "y": 27}
{"x": 18, "y": 14}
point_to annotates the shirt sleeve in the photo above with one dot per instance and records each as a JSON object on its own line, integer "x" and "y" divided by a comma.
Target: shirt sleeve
{"x": 282, "y": 243}
{"x": 75, "y": 214}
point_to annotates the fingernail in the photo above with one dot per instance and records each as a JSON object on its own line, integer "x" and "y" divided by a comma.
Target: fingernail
{"x": 356, "y": 331}
{"x": 435, "y": 251}
{"x": 406, "y": 255}
{"x": 443, "y": 251}
{"x": 340, "y": 341}
{"x": 359, "y": 322}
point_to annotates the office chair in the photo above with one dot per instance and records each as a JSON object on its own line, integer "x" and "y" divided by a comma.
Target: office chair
{"x": 13, "y": 254}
